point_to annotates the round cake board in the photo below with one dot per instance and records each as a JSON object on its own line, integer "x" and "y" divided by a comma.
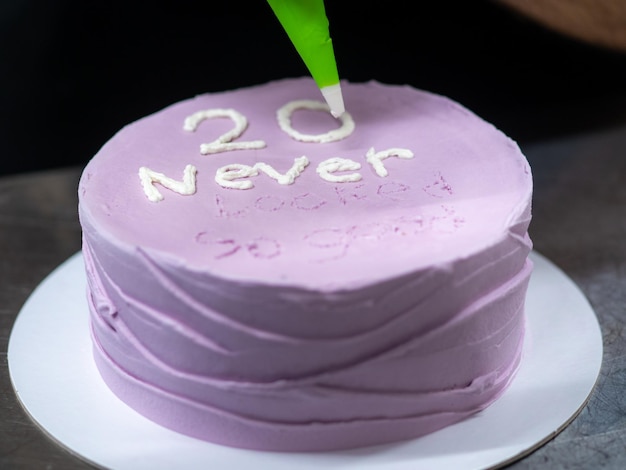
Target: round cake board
{"x": 56, "y": 380}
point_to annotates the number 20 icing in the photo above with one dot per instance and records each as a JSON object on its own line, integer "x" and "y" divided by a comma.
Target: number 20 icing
{"x": 235, "y": 175}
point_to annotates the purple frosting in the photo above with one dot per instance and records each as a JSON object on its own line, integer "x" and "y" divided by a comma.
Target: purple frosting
{"x": 316, "y": 315}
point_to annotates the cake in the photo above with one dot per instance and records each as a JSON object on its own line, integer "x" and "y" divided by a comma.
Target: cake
{"x": 262, "y": 275}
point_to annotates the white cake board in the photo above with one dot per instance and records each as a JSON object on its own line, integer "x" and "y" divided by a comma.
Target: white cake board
{"x": 55, "y": 378}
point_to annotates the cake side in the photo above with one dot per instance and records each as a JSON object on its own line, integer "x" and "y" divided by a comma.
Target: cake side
{"x": 340, "y": 312}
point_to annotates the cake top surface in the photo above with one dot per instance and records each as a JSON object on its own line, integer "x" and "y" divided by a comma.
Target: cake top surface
{"x": 425, "y": 181}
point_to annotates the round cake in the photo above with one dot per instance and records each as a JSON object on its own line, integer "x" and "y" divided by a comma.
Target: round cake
{"x": 263, "y": 275}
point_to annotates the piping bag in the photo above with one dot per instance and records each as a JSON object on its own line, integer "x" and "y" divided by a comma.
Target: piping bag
{"x": 306, "y": 24}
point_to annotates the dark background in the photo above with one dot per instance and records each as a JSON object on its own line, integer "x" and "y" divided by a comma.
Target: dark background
{"x": 73, "y": 72}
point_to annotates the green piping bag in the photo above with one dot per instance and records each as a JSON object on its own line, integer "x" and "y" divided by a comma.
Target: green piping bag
{"x": 306, "y": 24}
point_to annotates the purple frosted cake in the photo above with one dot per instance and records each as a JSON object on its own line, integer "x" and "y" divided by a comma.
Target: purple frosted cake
{"x": 263, "y": 275}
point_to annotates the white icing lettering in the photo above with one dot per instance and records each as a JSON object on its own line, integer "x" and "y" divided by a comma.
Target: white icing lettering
{"x": 185, "y": 187}
{"x": 237, "y": 175}
{"x": 284, "y": 121}
{"x": 224, "y": 142}
{"x": 332, "y": 165}
{"x": 226, "y": 176}
{"x": 299, "y": 164}
{"x": 376, "y": 158}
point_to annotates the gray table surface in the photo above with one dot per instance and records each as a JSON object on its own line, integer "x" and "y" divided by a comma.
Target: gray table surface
{"x": 579, "y": 223}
